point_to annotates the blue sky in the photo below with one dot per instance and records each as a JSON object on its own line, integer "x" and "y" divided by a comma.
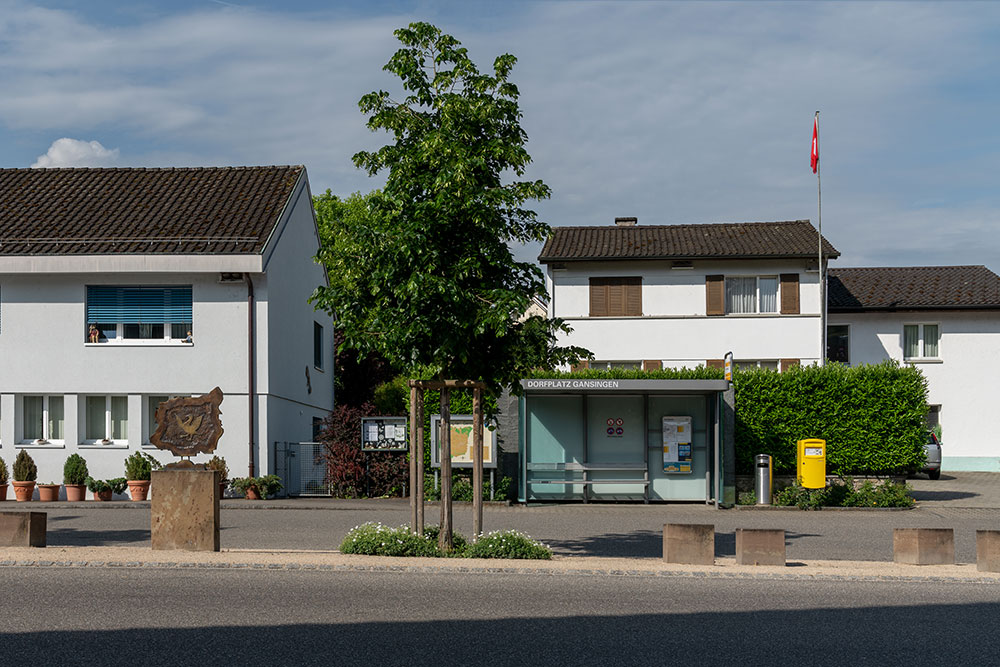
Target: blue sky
{"x": 672, "y": 112}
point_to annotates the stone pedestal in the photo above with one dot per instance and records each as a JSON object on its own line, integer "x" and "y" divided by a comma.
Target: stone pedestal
{"x": 22, "y": 529}
{"x": 988, "y": 550}
{"x": 690, "y": 543}
{"x": 923, "y": 546}
{"x": 760, "y": 546}
{"x": 185, "y": 510}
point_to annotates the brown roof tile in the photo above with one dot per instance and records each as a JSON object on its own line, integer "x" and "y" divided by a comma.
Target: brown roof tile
{"x": 203, "y": 210}
{"x": 913, "y": 288}
{"x": 795, "y": 238}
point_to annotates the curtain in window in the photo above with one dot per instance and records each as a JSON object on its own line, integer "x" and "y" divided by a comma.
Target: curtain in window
{"x": 911, "y": 341}
{"x": 32, "y": 417}
{"x": 96, "y": 413}
{"x": 768, "y": 294}
{"x": 55, "y": 418}
{"x": 119, "y": 418}
{"x": 741, "y": 295}
{"x": 931, "y": 340}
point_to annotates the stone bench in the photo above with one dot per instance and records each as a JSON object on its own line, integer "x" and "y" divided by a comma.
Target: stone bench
{"x": 988, "y": 550}
{"x": 923, "y": 546}
{"x": 22, "y": 529}
{"x": 689, "y": 543}
{"x": 760, "y": 546}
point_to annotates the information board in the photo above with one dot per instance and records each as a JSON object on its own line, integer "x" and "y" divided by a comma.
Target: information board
{"x": 384, "y": 434}
{"x": 677, "y": 445}
{"x": 461, "y": 442}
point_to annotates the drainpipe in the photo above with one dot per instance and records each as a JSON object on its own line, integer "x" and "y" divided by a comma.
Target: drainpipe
{"x": 251, "y": 384}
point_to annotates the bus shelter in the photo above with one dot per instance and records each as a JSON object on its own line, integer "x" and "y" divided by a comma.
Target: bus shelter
{"x": 606, "y": 439}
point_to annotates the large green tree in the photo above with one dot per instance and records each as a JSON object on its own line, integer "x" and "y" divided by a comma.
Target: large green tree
{"x": 421, "y": 272}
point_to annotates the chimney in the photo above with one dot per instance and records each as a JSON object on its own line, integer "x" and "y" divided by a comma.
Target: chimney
{"x": 626, "y": 222}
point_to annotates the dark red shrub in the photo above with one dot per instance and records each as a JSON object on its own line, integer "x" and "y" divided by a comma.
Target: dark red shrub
{"x": 345, "y": 462}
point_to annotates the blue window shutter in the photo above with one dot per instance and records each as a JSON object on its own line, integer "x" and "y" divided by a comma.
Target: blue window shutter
{"x": 138, "y": 305}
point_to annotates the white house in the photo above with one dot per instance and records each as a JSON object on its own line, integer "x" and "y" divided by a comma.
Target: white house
{"x": 120, "y": 288}
{"x": 946, "y": 321}
{"x": 685, "y": 295}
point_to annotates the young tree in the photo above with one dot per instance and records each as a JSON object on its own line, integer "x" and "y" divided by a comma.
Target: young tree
{"x": 420, "y": 272}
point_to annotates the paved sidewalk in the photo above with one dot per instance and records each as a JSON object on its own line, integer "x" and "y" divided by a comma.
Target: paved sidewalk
{"x": 958, "y": 489}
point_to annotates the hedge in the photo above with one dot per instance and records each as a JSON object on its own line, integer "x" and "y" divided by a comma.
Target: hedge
{"x": 873, "y": 417}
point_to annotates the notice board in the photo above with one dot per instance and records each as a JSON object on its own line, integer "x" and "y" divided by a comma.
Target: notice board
{"x": 677, "y": 445}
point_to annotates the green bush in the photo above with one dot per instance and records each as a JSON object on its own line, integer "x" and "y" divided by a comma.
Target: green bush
{"x": 461, "y": 488}
{"x": 747, "y": 498}
{"x": 3, "y": 472}
{"x": 843, "y": 494}
{"x": 139, "y": 466}
{"x": 873, "y": 417}
{"x": 115, "y": 485}
{"x": 218, "y": 464}
{"x": 75, "y": 470}
{"x": 507, "y": 544}
{"x": 266, "y": 486}
{"x": 25, "y": 469}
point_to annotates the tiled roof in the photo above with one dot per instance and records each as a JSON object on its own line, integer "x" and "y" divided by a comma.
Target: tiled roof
{"x": 204, "y": 210}
{"x": 913, "y": 288}
{"x": 796, "y": 238}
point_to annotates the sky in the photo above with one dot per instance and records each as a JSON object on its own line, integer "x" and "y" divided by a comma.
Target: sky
{"x": 672, "y": 112}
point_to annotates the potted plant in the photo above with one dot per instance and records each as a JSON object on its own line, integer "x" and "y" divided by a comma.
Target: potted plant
{"x": 255, "y": 488}
{"x": 25, "y": 474}
{"x": 218, "y": 464}
{"x": 3, "y": 480}
{"x": 138, "y": 469}
{"x": 48, "y": 493}
{"x": 103, "y": 489}
{"x": 75, "y": 476}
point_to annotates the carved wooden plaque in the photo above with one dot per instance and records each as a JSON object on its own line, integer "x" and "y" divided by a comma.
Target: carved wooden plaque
{"x": 189, "y": 426}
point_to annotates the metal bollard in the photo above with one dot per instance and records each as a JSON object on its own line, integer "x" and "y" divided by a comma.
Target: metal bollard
{"x": 764, "y": 479}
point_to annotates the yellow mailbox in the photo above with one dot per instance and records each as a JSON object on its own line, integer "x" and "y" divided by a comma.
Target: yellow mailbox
{"x": 811, "y": 463}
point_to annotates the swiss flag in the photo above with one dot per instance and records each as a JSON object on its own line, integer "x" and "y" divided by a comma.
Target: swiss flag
{"x": 814, "y": 158}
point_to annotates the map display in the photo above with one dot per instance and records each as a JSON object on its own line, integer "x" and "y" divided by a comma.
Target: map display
{"x": 461, "y": 442}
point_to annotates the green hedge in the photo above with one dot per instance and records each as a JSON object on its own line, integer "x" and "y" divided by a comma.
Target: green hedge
{"x": 873, "y": 417}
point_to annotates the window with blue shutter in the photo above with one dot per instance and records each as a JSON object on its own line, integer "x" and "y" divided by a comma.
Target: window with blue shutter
{"x": 119, "y": 313}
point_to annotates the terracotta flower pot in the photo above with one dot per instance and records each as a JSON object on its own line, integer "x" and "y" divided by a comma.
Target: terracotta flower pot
{"x": 48, "y": 493}
{"x": 76, "y": 492}
{"x": 138, "y": 489}
{"x": 3, "y": 491}
{"x": 23, "y": 491}
{"x": 252, "y": 493}
{"x": 103, "y": 495}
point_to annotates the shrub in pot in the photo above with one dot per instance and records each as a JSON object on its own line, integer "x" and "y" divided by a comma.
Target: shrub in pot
{"x": 25, "y": 474}
{"x": 75, "y": 476}
{"x": 256, "y": 488}
{"x": 104, "y": 489}
{"x": 139, "y": 468}
{"x": 3, "y": 480}
{"x": 218, "y": 464}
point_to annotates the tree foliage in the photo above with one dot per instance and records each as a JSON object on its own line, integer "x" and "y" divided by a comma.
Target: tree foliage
{"x": 420, "y": 272}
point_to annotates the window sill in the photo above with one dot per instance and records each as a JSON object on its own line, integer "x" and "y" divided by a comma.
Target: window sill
{"x": 141, "y": 343}
{"x": 929, "y": 360}
{"x": 54, "y": 444}
{"x": 97, "y": 445}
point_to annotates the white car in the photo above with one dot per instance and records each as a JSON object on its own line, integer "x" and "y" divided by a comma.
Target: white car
{"x": 933, "y": 450}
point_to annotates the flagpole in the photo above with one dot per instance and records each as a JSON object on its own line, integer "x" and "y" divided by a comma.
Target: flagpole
{"x": 822, "y": 276}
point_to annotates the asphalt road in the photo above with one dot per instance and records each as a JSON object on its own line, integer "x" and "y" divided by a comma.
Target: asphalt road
{"x": 123, "y": 617}
{"x": 595, "y": 530}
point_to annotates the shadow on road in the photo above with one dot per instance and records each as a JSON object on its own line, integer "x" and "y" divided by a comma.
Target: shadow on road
{"x": 643, "y": 544}
{"x": 942, "y": 495}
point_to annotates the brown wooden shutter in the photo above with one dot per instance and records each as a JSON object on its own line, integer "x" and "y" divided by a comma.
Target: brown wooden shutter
{"x": 715, "y": 363}
{"x": 633, "y": 296}
{"x": 715, "y": 295}
{"x": 616, "y": 299}
{"x": 789, "y": 294}
{"x": 598, "y": 298}
{"x": 788, "y": 363}
{"x": 583, "y": 365}
{"x": 652, "y": 365}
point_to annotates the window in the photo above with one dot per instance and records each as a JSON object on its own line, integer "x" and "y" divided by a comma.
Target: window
{"x": 120, "y": 314}
{"x": 920, "y": 341}
{"x": 616, "y": 365}
{"x": 152, "y": 403}
{"x": 615, "y": 297}
{"x": 106, "y": 419}
{"x": 318, "y": 345}
{"x": 838, "y": 343}
{"x": 751, "y": 294}
{"x": 768, "y": 364}
{"x": 42, "y": 418}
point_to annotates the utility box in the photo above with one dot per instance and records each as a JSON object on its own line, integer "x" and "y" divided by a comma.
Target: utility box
{"x": 811, "y": 463}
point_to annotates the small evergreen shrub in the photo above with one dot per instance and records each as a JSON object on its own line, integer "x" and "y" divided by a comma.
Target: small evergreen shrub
{"x": 115, "y": 485}
{"x": 266, "y": 486}
{"x": 139, "y": 466}
{"x": 25, "y": 469}
{"x": 218, "y": 464}
{"x": 3, "y": 472}
{"x": 507, "y": 544}
{"x": 75, "y": 470}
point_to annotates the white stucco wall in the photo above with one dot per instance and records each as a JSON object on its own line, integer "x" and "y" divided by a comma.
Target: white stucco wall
{"x": 674, "y": 327}
{"x": 962, "y": 380}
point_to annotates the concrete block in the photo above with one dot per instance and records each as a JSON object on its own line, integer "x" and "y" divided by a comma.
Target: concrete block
{"x": 22, "y": 529}
{"x": 691, "y": 543}
{"x": 988, "y": 550}
{"x": 184, "y": 511}
{"x": 760, "y": 546}
{"x": 923, "y": 546}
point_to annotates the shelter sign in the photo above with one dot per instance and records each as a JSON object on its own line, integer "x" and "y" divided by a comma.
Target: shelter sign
{"x": 383, "y": 434}
{"x": 677, "y": 444}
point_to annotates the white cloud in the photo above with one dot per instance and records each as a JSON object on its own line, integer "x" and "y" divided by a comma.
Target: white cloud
{"x": 68, "y": 152}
